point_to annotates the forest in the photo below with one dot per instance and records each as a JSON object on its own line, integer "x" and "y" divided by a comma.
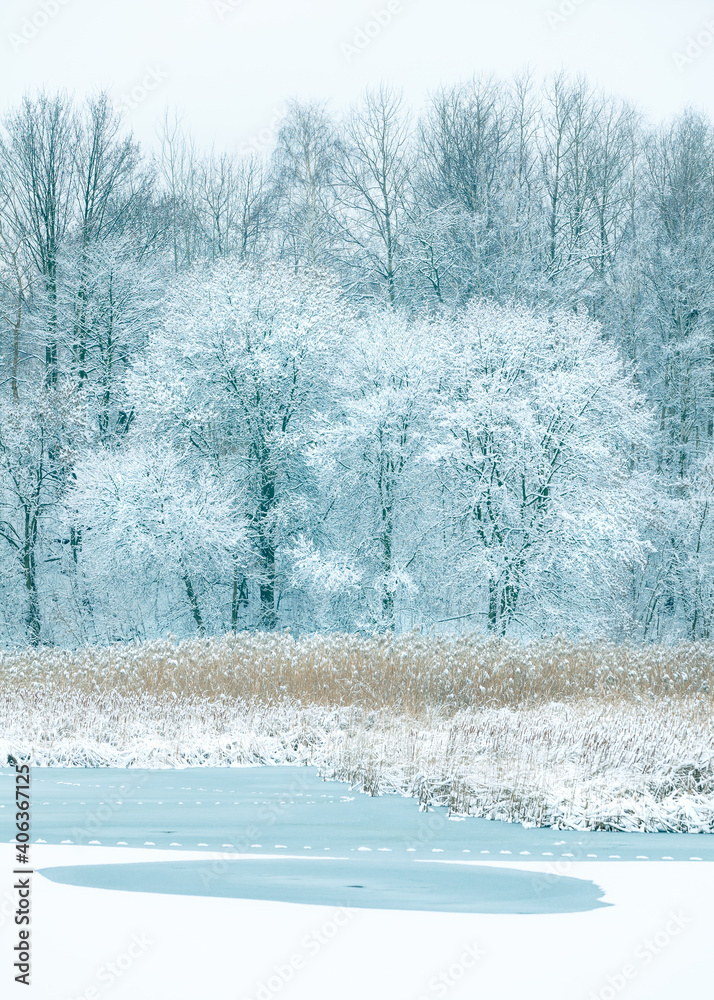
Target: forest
{"x": 445, "y": 370}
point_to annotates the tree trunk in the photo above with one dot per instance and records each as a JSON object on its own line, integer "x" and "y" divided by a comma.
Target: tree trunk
{"x": 52, "y": 371}
{"x": 32, "y": 618}
{"x": 387, "y": 534}
{"x": 193, "y": 601}
{"x": 240, "y": 595}
{"x": 268, "y": 617}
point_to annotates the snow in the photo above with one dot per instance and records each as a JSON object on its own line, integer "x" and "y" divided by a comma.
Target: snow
{"x": 581, "y": 766}
{"x": 616, "y": 917}
{"x": 655, "y": 937}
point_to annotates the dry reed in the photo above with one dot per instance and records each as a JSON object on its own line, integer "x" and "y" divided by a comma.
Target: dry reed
{"x": 404, "y": 673}
{"x": 571, "y": 734}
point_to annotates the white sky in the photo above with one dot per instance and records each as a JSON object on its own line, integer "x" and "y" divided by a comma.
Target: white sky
{"x": 229, "y": 70}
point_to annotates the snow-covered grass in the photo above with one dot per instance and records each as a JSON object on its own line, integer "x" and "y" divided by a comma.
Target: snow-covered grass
{"x": 575, "y": 735}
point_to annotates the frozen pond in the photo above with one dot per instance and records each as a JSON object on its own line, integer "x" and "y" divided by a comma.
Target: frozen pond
{"x": 268, "y": 809}
{"x": 376, "y": 882}
{"x": 309, "y": 840}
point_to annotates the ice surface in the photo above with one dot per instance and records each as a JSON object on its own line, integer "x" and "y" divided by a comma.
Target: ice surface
{"x": 375, "y": 883}
{"x": 287, "y": 808}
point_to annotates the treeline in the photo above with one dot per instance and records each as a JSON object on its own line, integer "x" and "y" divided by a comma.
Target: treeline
{"x": 450, "y": 369}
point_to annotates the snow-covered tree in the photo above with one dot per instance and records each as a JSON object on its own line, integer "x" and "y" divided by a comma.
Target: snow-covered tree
{"x": 242, "y": 359}
{"x": 540, "y": 430}
{"x": 41, "y": 436}
{"x": 158, "y": 539}
{"x": 369, "y": 455}
{"x": 397, "y": 451}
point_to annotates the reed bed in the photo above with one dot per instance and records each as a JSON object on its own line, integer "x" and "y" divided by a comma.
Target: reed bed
{"x": 576, "y": 735}
{"x": 403, "y": 673}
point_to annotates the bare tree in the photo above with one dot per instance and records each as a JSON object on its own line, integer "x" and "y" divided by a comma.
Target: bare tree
{"x": 465, "y": 165}
{"x": 678, "y": 277}
{"x": 36, "y": 157}
{"x": 373, "y": 189}
{"x": 218, "y": 202}
{"x": 178, "y": 171}
{"x": 105, "y": 167}
{"x": 15, "y": 282}
{"x": 304, "y": 164}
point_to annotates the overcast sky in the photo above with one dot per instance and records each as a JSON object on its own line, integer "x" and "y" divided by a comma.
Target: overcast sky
{"x": 228, "y": 65}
